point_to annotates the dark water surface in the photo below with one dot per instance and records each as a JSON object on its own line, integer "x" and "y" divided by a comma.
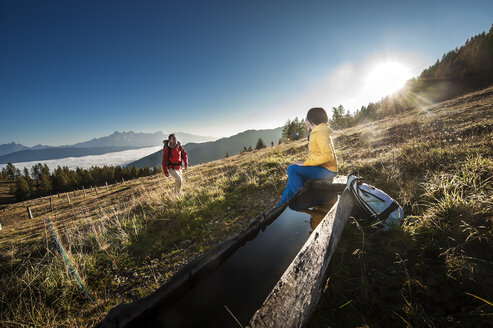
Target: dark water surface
{"x": 244, "y": 280}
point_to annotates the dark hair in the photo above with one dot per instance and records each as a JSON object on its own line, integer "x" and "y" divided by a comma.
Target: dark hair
{"x": 171, "y": 136}
{"x": 317, "y": 115}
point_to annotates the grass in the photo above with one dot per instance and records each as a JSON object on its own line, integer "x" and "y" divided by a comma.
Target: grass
{"x": 435, "y": 271}
{"x": 5, "y": 195}
{"x": 148, "y": 232}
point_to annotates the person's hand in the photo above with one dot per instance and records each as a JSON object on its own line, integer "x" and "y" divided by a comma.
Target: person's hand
{"x": 299, "y": 163}
{"x": 186, "y": 167}
{"x": 166, "y": 174}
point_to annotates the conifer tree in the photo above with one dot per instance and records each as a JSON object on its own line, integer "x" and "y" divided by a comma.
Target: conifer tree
{"x": 22, "y": 191}
{"x": 260, "y": 144}
{"x": 11, "y": 171}
{"x": 45, "y": 184}
{"x": 293, "y": 130}
{"x": 36, "y": 171}
{"x": 28, "y": 179}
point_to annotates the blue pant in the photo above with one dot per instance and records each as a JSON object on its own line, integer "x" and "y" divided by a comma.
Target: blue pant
{"x": 298, "y": 175}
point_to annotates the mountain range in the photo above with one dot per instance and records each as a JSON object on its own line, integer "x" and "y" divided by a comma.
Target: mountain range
{"x": 209, "y": 151}
{"x": 13, "y": 147}
{"x": 138, "y": 140}
{"x": 118, "y": 141}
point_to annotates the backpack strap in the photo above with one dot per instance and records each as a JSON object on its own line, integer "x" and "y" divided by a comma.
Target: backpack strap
{"x": 385, "y": 214}
{"x": 169, "y": 155}
{"x": 354, "y": 192}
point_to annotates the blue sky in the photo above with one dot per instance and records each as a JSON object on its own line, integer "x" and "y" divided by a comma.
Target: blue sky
{"x": 74, "y": 70}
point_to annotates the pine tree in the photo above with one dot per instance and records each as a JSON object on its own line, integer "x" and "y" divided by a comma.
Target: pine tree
{"x": 45, "y": 184}
{"x": 36, "y": 171}
{"x": 22, "y": 191}
{"x": 11, "y": 171}
{"x": 62, "y": 181}
{"x": 260, "y": 144}
{"x": 28, "y": 179}
{"x": 294, "y": 130}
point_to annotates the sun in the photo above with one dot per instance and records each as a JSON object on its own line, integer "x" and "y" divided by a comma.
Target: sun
{"x": 385, "y": 78}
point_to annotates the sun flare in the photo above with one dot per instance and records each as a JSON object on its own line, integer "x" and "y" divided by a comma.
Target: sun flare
{"x": 387, "y": 77}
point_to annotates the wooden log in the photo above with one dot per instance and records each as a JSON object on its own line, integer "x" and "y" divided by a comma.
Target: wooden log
{"x": 126, "y": 313}
{"x": 29, "y": 213}
{"x": 293, "y": 299}
{"x": 316, "y": 193}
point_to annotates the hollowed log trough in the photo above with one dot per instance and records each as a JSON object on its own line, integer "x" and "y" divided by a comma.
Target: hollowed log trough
{"x": 294, "y": 297}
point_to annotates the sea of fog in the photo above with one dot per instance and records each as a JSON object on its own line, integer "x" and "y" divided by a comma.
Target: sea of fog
{"x": 110, "y": 159}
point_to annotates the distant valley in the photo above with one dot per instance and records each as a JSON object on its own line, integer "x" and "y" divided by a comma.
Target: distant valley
{"x": 116, "y": 158}
{"x": 57, "y": 153}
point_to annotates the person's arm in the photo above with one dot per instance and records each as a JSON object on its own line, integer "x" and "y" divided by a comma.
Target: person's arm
{"x": 165, "y": 161}
{"x": 184, "y": 156}
{"x": 325, "y": 152}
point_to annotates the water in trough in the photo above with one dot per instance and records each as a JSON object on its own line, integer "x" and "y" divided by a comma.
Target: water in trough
{"x": 241, "y": 283}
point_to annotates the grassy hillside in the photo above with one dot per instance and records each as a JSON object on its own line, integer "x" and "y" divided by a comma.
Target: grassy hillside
{"x": 436, "y": 271}
{"x": 5, "y": 193}
{"x": 436, "y": 161}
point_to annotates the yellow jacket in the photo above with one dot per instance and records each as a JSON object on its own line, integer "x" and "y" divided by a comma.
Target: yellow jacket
{"x": 321, "y": 148}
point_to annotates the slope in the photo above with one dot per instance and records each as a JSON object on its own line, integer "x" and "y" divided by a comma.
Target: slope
{"x": 436, "y": 161}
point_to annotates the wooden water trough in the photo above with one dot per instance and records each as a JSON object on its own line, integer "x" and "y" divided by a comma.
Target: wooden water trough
{"x": 295, "y": 295}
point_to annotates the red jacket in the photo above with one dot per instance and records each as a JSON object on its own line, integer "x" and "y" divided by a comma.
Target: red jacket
{"x": 173, "y": 157}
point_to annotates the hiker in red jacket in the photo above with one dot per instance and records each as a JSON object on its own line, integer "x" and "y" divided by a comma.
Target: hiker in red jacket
{"x": 173, "y": 156}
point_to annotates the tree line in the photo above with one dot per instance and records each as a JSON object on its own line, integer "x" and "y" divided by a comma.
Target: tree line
{"x": 459, "y": 71}
{"x": 260, "y": 145}
{"x": 40, "y": 181}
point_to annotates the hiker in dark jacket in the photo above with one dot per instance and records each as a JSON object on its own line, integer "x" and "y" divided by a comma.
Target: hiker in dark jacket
{"x": 174, "y": 155}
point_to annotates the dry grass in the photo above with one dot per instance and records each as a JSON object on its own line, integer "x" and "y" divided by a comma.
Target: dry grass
{"x": 150, "y": 232}
{"x": 436, "y": 271}
{"x": 435, "y": 161}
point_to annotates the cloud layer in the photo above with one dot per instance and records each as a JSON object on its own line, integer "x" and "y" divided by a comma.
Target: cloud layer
{"x": 110, "y": 159}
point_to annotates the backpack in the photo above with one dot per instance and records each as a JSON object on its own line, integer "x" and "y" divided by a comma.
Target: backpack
{"x": 375, "y": 203}
{"x": 180, "y": 147}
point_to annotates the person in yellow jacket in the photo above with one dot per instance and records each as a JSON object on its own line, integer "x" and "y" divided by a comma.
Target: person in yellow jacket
{"x": 322, "y": 161}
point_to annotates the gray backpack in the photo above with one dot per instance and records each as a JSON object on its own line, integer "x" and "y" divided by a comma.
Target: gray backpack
{"x": 375, "y": 204}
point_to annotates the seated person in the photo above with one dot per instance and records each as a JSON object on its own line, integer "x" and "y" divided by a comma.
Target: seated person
{"x": 321, "y": 163}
